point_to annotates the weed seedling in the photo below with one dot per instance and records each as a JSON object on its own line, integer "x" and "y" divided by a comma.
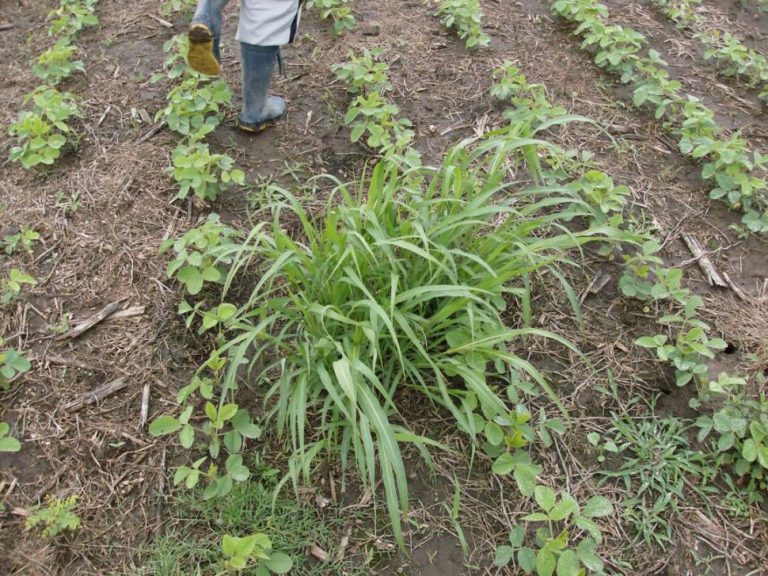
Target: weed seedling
{"x": 55, "y": 517}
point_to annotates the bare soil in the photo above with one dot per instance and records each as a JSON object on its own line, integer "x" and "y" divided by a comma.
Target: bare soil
{"x": 106, "y": 250}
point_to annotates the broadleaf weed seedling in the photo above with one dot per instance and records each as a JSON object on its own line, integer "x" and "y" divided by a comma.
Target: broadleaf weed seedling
{"x": 193, "y": 107}
{"x": 55, "y": 517}
{"x": 375, "y": 118}
{"x": 254, "y": 551}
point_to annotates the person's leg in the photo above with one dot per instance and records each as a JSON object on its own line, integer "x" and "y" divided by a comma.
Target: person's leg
{"x": 259, "y": 108}
{"x": 205, "y": 37}
{"x": 264, "y": 26}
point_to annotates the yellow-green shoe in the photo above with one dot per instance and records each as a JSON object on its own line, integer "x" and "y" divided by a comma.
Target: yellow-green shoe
{"x": 200, "y": 55}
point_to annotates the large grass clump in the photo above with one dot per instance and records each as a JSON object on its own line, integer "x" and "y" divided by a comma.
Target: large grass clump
{"x": 403, "y": 283}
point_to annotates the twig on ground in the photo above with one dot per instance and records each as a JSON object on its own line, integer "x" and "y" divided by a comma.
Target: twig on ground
{"x": 100, "y": 316}
{"x": 144, "y": 406}
{"x": 710, "y": 273}
{"x": 96, "y": 395}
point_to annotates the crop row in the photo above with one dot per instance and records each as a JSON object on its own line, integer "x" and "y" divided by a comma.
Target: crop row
{"x": 731, "y": 56}
{"x": 736, "y": 173}
{"x": 738, "y": 429}
{"x": 42, "y": 129}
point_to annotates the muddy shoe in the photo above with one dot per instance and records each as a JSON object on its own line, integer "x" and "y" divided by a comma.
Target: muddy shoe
{"x": 273, "y": 110}
{"x": 201, "y": 55}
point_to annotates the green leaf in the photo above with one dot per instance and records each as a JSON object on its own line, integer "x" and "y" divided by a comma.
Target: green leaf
{"x": 503, "y": 465}
{"x": 749, "y": 450}
{"x": 568, "y": 564}
{"x": 228, "y": 411}
{"x": 526, "y": 559}
{"x": 191, "y": 278}
{"x": 545, "y": 563}
{"x": 9, "y": 444}
{"x": 503, "y": 556}
{"x": 16, "y": 361}
{"x": 494, "y": 433}
{"x": 279, "y": 563}
{"x": 164, "y": 425}
{"x": 563, "y": 509}
{"x": 235, "y": 468}
{"x": 545, "y": 497}
{"x": 517, "y": 536}
{"x": 187, "y": 436}
{"x": 586, "y": 553}
{"x": 597, "y": 507}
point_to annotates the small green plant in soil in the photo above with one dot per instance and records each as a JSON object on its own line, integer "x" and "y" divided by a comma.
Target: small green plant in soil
{"x": 364, "y": 73}
{"x": 738, "y": 433}
{"x": 553, "y": 549}
{"x": 529, "y": 104}
{"x": 202, "y": 173}
{"x": 12, "y": 363}
{"x": 605, "y": 198}
{"x": 376, "y": 119}
{"x": 660, "y": 471}
{"x": 338, "y": 11}
{"x": 72, "y": 16}
{"x": 681, "y": 12}
{"x": 253, "y": 552}
{"x": 175, "y": 64}
{"x": 24, "y": 239}
{"x": 43, "y": 130}
{"x": 69, "y": 203}
{"x": 466, "y": 17}
{"x": 733, "y": 58}
{"x": 7, "y": 442}
{"x": 56, "y": 64}
{"x": 12, "y": 286}
{"x": 200, "y": 254}
{"x": 62, "y": 326}
{"x": 194, "y": 106}
{"x": 55, "y": 517}
{"x": 690, "y": 348}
